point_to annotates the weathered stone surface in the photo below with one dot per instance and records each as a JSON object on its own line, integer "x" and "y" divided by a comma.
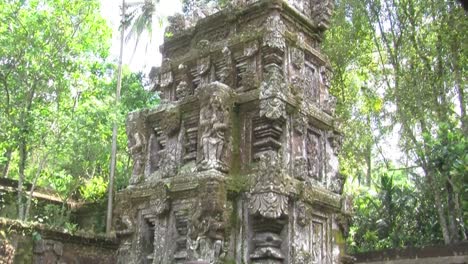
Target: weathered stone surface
{"x": 38, "y": 244}
{"x": 240, "y": 159}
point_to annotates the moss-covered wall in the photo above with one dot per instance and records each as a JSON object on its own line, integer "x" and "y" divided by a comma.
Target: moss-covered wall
{"x": 34, "y": 243}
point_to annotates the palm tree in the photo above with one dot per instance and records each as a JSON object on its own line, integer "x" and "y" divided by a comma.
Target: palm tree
{"x": 138, "y": 20}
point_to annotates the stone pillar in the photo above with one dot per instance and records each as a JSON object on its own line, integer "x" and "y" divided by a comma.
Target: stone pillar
{"x": 239, "y": 162}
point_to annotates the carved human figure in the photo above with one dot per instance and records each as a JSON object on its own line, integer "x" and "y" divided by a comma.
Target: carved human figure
{"x": 312, "y": 149}
{"x": 137, "y": 139}
{"x": 227, "y": 72}
{"x": 206, "y": 229}
{"x": 213, "y": 124}
{"x": 317, "y": 242}
{"x": 138, "y": 153}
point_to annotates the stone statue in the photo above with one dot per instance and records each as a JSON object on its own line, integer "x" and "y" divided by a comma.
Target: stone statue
{"x": 214, "y": 118}
{"x": 137, "y": 133}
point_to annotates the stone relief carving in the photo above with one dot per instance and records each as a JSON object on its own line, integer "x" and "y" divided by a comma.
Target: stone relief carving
{"x": 321, "y": 13}
{"x": 267, "y": 248}
{"x": 274, "y": 37}
{"x": 313, "y": 152}
{"x": 214, "y": 122}
{"x": 267, "y": 198}
{"x": 248, "y": 67}
{"x": 227, "y": 71}
{"x": 302, "y": 236}
{"x": 184, "y": 88}
{"x": 166, "y": 81}
{"x": 299, "y": 159}
{"x": 197, "y": 10}
{"x": 137, "y": 133}
{"x": 155, "y": 78}
{"x": 317, "y": 242}
{"x": 166, "y": 132}
{"x": 191, "y": 127}
{"x": 272, "y": 90}
{"x": 176, "y": 25}
{"x": 297, "y": 58}
{"x": 206, "y": 227}
{"x": 328, "y": 101}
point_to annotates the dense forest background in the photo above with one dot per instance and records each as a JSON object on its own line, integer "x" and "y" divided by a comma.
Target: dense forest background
{"x": 400, "y": 71}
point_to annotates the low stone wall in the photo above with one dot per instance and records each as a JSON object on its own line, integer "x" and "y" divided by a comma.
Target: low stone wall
{"x": 37, "y": 244}
{"x": 448, "y": 254}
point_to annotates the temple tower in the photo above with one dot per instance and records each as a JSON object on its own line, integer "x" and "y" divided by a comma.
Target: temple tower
{"x": 239, "y": 162}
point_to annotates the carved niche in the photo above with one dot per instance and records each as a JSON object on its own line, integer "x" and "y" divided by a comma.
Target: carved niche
{"x": 215, "y": 143}
{"x": 138, "y": 136}
{"x": 311, "y": 237}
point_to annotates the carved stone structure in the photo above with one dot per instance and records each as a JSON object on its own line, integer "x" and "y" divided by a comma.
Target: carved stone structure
{"x": 239, "y": 162}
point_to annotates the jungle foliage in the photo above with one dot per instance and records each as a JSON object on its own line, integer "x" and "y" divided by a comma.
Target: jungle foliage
{"x": 400, "y": 79}
{"x": 56, "y": 100}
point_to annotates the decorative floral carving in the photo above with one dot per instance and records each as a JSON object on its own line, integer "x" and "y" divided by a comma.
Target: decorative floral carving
{"x": 274, "y": 36}
{"x": 268, "y": 198}
{"x": 272, "y": 90}
{"x": 269, "y": 204}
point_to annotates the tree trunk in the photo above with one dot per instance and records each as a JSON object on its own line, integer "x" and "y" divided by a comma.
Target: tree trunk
{"x": 115, "y": 128}
{"x": 22, "y": 166}
{"x": 6, "y": 168}
{"x": 452, "y": 215}
{"x": 459, "y": 215}
{"x": 33, "y": 187}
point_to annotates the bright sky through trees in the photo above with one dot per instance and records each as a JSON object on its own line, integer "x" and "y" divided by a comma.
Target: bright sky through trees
{"x": 147, "y": 54}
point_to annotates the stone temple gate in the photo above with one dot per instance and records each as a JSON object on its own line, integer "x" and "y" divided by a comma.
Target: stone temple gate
{"x": 239, "y": 162}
